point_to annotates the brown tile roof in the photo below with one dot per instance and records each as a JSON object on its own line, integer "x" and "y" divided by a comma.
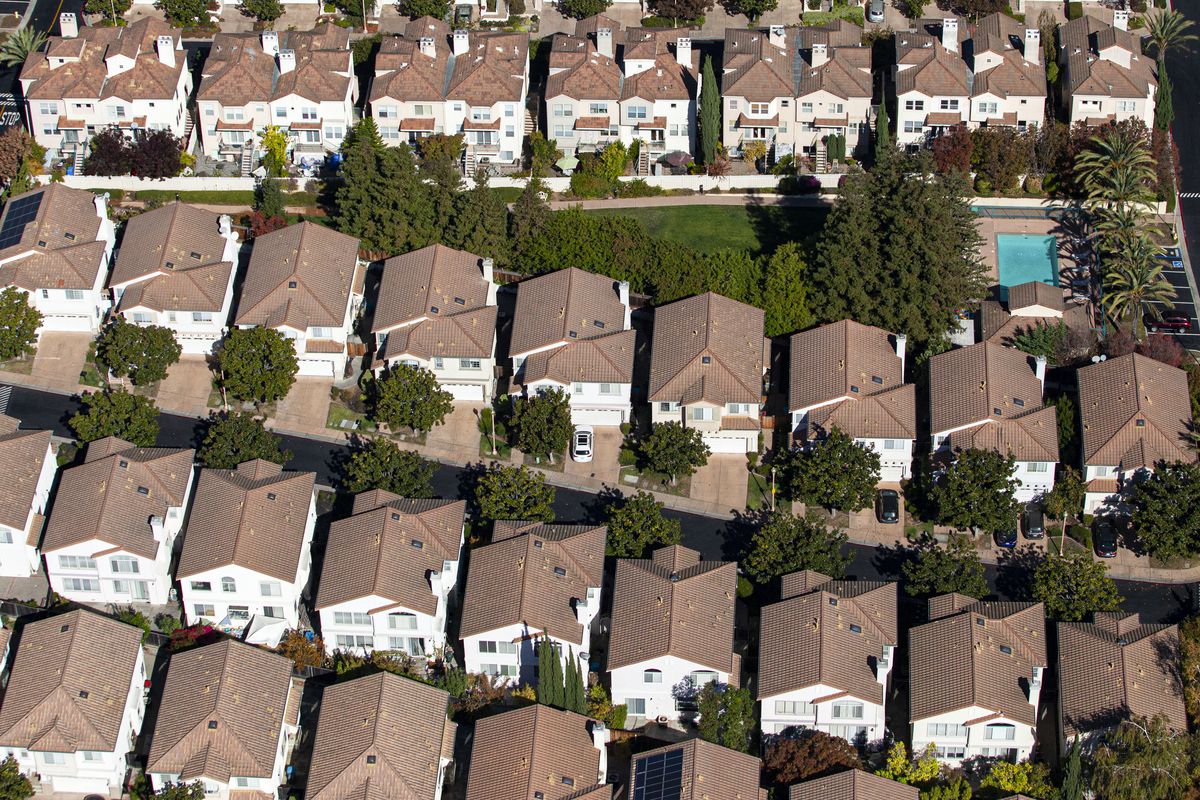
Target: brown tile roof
{"x": 853, "y": 784}
{"x": 666, "y": 80}
{"x": 708, "y": 327}
{"x": 174, "y": 253}
{"x": 1116, "y": 667}
{"x": 603, "y": 359}
{"x": 22, "y": 455}
{"x": 427, "y": 27}
{"x": 237, "y": 71}
{"x": 710, "y": 772}
{"x": 673, "y": 604}
{"x": 647, "y": 44}
{"x": 552, "y": 307}
{"x": 956, "y": 663}
{"x": 254, "y": 517}
{"x": 492, "y": 70}
{"x": 221, "y": 713}
{"x": 1083, "y": 40}
{"x": 1117, "y": 394}
{"x": 578, "y": 71}
{"x": 757, "y": 122}
{"x": 324, "y": 71}
{"x": 931, "y": 69}
{"x": 470, "y": 334}
{"x": 1029, "y": 436}
{"x": 398, "y": 723}
{"x": 807, "y": 640}
{"x": 841, "y": 360}
{"x": 430, "y": 282}
{"x": 846, "y": 74}
{"x": 533, "y": 749}
{"x": 103, "y": 498}
{"x": 982, "y": 382}
{"x": 754, "y": 68}
{"x": 69, "y": 683}
{"x": 516, "y": 580}
{"x": 589, "y": 26}
{"x": 998, "y": 325}
{"x": 61, "y": 244}
{"x": 891, "y": 414}
{"x": 372, "y": 551}
{"x": 403, "y": 72}
{"x": 1035, "y": 293}
{"x": 1013, "y": 77}
{"x": 838, "y": 33}
{"x": 321, "y": 262}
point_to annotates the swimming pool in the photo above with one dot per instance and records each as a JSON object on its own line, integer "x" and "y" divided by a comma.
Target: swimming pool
{"x": 1024, "y": 257}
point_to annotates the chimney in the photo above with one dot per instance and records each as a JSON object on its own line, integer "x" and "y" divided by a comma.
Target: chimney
{"x": 1035, "y": 688}
{"x": 225, "y": 226}
{"x": 461, "y": 40}
{"x": 600, "y": 739}
{"x": 287, "y": 61}
{"x": 683, "y": 51}
{"x": 901, "y": 346}
{"x": 820, "y": 54}
{"x": 166, "y": 50}
{"x": 604, "y": 42}
{"x": 777, "y": 37}
{"x": 623, "y": 296}
{"x": 1033, "y": 46}
{"x": 101, "y": 203}
{"x": 489, "y": 270}
{"x": 68, "y": 25}
{"x": 157, "y": 530}
{"x": 883, "y": 667}
{"x": 1121, "y": 19}
{"x": 427, "y": 47}
{"x": 1039, "y": 369}
{"x": 270, "y": 43}
{"x": 950, "y": 34}
{"x": 587, "y": 608}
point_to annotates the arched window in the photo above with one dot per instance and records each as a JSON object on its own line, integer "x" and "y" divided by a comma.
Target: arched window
{"x": 228, "y": 584}
{"x": 652, "y": 676}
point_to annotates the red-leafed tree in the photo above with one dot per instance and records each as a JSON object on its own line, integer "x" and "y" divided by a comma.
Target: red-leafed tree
{"x": 952, "y": 151}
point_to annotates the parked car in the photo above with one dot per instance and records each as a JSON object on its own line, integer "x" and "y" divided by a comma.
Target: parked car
{"x": 1035, "y": 522}
{"x": 581, "y": 443}
{"x": 1172, "y": 324}
{"x": 1104, "y": 537}
{"x": 875, "y": 12}
{"x": 887, "y": 506}
{"x": 1006, "y": 538}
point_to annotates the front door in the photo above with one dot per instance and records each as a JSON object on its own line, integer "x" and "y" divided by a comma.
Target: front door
{"x": 141, "y": 591}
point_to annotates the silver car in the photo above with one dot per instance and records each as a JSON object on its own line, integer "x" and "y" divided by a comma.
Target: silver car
{"x": 875, "y": 11}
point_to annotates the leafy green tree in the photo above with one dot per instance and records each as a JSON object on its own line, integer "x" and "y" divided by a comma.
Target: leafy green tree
{"x": 807, "y": 755}
{"x": 381, "y": 464}
{"x": 504, "y": 492}
{"x": 784, "y": 295}
{"x": 1166, "y": 510}
{"x": 582, "y": 9}
{"x": 937, "y": 570}
{"x": 263, "y": 11}
{"x": 19, "y": 45}
{"x": 1066, "y": 418}
{"x": 1164, "y": 101}
{"x": 1143, "y": 759}
{"x": 268, "y": 198}
{"x": 550, "y": 692}
{"x": 232, "y": 439}
{"x": 180, "y": 791}
{"x": 834, "y": 472}
{"x": 915, "y": 771}
{"x": 709, "y": 118}
{"x": 381, "y": 201}
{"x": 976, "y": 492}
{"x": 108, "y": 153}
{"x": 144, "y": 353}
{"x": 1134, "y": 284}
{"x": 257, "y": 364}
{"x": 1074, "y": 585}
{"x": 541, "y": 154}
{"x": 530, "y": 215}
{"x": 956, "y": 789}
{"x": 410, "y": 397}
{"x": 752, "y": 9}
{"x": 183, "y": 13}
{"x": 555, "y": 677}
{"x": 111, "y": 10}
{"x": 481, "y": 222}
{"x": 1067, "y": 496}
{"x": 785, "y": 543}
{"x": 883, "y": 133}
{"x": 1041, "y": 340}
{"x": 1074, "y": 786}
{"x": 726, "y": 716}
{"x": 116, "y": 412}
{"x": 274, "y": 141}
{"x": 576, "y": 693}
{"x": 13, "y": 785}
{"x": 636, "y": 526}
{"x": 438, "y": 9}
{"x": 673, "y": 450}
{"x": 543, "y": 423}
{"x": 1024, "y": 778}
{"x": 19, "y": 323}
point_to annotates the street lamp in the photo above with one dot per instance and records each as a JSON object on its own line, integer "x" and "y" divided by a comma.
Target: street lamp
{"x": 772, "y": 488}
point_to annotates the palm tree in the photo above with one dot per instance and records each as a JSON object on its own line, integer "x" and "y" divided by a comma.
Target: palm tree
{"x": 19, "y": 45}
{"x": 1169, "y": 29}
{"x": 1121, "y": 186}
{"x": 1116, "y": 226}
{"x": 1134, "y": 282}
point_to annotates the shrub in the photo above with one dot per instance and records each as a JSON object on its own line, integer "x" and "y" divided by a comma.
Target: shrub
{"x": 587, "y": 185}
{"x": 131, "y": 616}
{"x": 1081, "y": 534}
{"x": 744, "y": 587}
{"x": 983, "y": 187}
{"x": 167, "y": 623}
{"x": 636, "y": 188}
{"x": 1074, "y": 9}
{"x": 1033, "y": 184}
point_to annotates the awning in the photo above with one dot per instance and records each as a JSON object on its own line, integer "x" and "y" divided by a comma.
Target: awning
{"x": 832, "y": 122}
{"x": 593, "y": 124}
{"x": 755, "y": 122}
{"x": 311, "y": 125}
{"x": 658, "y": 123}
{"x": 418, "y": 124}
{"x": 65, "y": 124}
{"x": 222, "y": 125}
{"x": 943, "y": 120}
{"x": 472, "y": 125}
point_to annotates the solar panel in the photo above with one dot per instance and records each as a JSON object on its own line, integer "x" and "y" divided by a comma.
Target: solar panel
{"x": 659, "y": 777}
{"x": 21, "y": 212}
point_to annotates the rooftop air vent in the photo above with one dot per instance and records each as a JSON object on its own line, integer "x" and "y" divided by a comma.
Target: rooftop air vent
{"x": 458, "y": 301}
{"x": 123, "y": 464}
{"x": 83, "y": 693}
{"x": 270, "y": 495}
{"x": 212, "y": 724}
{"x": 560, "y": 572}
{"x": 64, "y": 628}
{"x": 854, "y": 389}
{"x": 573, "y": 334}
{"x": 41, "y": 242}
{"x": 1006, "y": 650}
{"x": 418, "y": 544}
{"x": 877, "y": 379}
{"x": 434, "y": 310}
{"x": 143, "y": 490}
{"x": 996, "y": 410}
{"x": 1141, "y": 423}
{"x": 599, "y": 324}
{"x": 370, "y": 759}
{"x": 291, "y": 284}
{"x": 537, "y": 543}
{"x": 395, "y": 517}
{"x": 856, "y": 629}
{"x": 170, "y": 265}
{"x": 705, "y": 359}
{"x": 70, "y": 237}
{"x": 1018, "y": 402}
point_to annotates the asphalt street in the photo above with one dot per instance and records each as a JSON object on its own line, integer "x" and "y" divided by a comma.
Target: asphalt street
{"x": 1184, "y": 70}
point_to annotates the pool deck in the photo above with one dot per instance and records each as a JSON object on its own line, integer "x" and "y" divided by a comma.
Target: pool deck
{"x": 990, "y": 226}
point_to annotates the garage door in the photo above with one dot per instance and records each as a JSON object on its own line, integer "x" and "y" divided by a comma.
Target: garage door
{"x": 727, "y": 444}
{"x": 314, "y": 368}
{"x": 465, "y": 391}
{"x": 596, "y": 416}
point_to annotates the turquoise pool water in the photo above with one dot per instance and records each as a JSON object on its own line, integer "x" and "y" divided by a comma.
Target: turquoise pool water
{"x": 1024, "y": 257}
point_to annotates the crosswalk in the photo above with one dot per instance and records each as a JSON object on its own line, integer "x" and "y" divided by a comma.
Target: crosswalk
{"x": 1189, "y": 195}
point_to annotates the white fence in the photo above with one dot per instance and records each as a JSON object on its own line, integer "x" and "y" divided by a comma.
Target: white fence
{"x": 129, "y": 183}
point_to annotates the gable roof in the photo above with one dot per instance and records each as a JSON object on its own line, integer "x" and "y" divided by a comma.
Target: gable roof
{"x": 709, "y": 771}
{"x": 469, "y": 334}
{"x": 971, "y": 384}
{"x": 435, "y": 281}
{"x": 754, "y": 68}
{"x": 532, "y": 749}
{"x": 853, "y": 784}
{"x": 255, "y": 517}
{"x": 221, "y": 713}
{"x": 956, "y": 661}
{"x": 22, "y": 456}
{"x": 891, "y": 414}
{"x": 603, "y": 359}
{"x": 846, "y": 74}
{"x": 673, "y": 604}
{"x": 930, "y": 69}
{"x": 707, "y": 326}
{"x": 826, "y": 632}
{"x": 565, "y": 306}
{"x": 1031, "y": 435}
{"x": 841, "y": 360}
{"x": 578, "y": 71}
{"x": 103, "y": 497}
{"x": 1012, "y": 77}
{"x": 237, "y": 71}
{"x": 69, "y": 683}
{"x": 516, "y": 579}
{"x": 397, "y": 722}
{"x": 667, "y": 79}
{"x": 380, "y": 534}
{"x": 492, "y": 70}
{"x": 58, "y": 248}
{"x": 1083, "y": 41}
{"x": 324, "y": 70}
{"x": 403, "y": 72}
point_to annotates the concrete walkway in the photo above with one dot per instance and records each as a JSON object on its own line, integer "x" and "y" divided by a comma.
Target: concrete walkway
{"x": 730, "y": 199}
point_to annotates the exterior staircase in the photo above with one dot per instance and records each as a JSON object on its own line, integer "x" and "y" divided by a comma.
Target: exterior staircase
{"x": 643, "y": 163}
{"x": 77, "y": 162}
{"x": 468, "y": 163}
{"x": 529, "y": 123}
{"x": 247, "y": 162}
{"x": 822, "y": 160}
{"x": 188, "y": 123}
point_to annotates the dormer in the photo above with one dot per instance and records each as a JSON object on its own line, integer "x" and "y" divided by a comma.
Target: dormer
{"x": 1117, "y": 55}
{"x": 116, "y": 62}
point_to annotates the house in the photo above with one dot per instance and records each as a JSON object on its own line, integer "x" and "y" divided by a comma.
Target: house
{"x": 534, "y": 580}
{"x": 301, "y": 82}
{"x": 707, "y": 362}
{"x": 432, "y": 80}
{"x": 932, "y": 82}
{"x": 133, "y": 77}
{"x": 246, "y": 553}
{"x": 28, "y": 468}
{"x": 852, "y": 784}
{"x": 583, "y": 90}
{"x": 701, "y": 770}
{"x": 111, "y": 531}
{"x": 1134, "y": 413}
{"x": 306, "y": 282}
{"x": 55, "y": 246}
{"x": 539, "y": 751}
{"x": 401, "y": 602}
{"x": 850, "y": 376}
{"x": 1106, "y": 77}
{"x": 437, "y": 310}
{"x": 175, "y": 269}
{"x": 825, "y": 657}
{"x": 671, "y": 632}
{"x": 75, "y": 701}
{"x": 658, "y": 95}
{"x": 758, "y": 90}
{"x": 228, "y": 718}
{"x": 384, "y": 736}
{"x": 1114, "y": 668}
{"x": 975, "y": 677}
{"x": 571, "y": 331}
{"x": 1008, "y": 86}
{"x": 834, "y": 87}
{"x": 1027, "y": 306}
{"x": 989, "y": 397}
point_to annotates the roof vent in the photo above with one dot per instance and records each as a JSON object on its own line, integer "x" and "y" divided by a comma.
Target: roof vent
{"x": 1018, "y": 402}
{"x": 70, "y": 237}
{"x": 83, "y": 693}
{"x": 291, "y": 284}
{"x": 170, "y": 265}
{"x": 1006, "y": 650}
{"x": 270, "y": 495}
{"x": 395, "y": 517}
{"x": 854, "y": 389}
{"x": 212, "y": 724}
{"x": 458, "y": 301}
{"x": 123, "y": 464}
{"x": 598, "y": 324}
{"x": 1141, "y": 423}
{"x": 370, "y": 759}
{"x": 877, "y": 379}
{"x": 559, "y": 571}
{"x": 705, "y": 359}
{"x": 833, "y": 601}
{"x": 144, "y": 490}
{"x": 573, "y": 334}
{"x": 194, "y": 255}
{"x": 418, "y": 544}
{"x": 856, "y": 629}
{"x": 979, "y": 621}
{"x": 568, "y": 781}
{"x": 674, "y": 577}
{"x": 537, "y": 543}
{"x": 433, "y": 310}
{"x": 997, "y": 411}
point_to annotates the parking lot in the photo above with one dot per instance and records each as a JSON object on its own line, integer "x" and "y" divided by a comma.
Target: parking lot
{"x": 1185, "y": 303}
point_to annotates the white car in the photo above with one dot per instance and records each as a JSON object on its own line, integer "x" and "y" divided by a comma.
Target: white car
{"x": 581, "y": 443}
{"x": 875, "y": 11}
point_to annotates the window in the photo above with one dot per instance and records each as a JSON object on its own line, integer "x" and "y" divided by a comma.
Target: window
{"x": 124, "y": 564}
{"x": 228, "y": 585}
{"x": 509, "y": 111}
{"x": 344, "y": 640}
{"x": 74, "y": 294}
{"x": 76, "y": 562}
{"x": 201, "y": 586}
{"x": 6, "y": 537}
{"x": 351, "y": 618}
{"x": 312, "y": 137}
{"x": 795, "y": 708}
{"x": 1038, "y": 466}
{"x": 121, "y": 587}
{"x": 702, "y": 414}
{"x": 806, "y": 108}
{"x": 142, "y": 318}
{"x": 610, "y": 388}
{"x": 956, "y": 751}
{"x": 499, "y": 670}
{"x": 402, "y": 622}
{"x": 913, "y": 126}
{"x": 408, "y": 644}
{"x": 668, "y": 406}
{"x": 945, "y": 729}
{"x": 49, "y": 109}
{"x": 1001, "y": 732}
{"x": 422, "y": 110}
{"x": 57, "y": 759}
{"x": 848, "y": 732}
{"x": 81, "y": 584}
{"x": 949, "y": 105}
{"x": 1126, "y": 105}
{"x": 92, "y": 755}
{"x": 502, "y": 648}
{"x": 598, "y": 109}
{"x": 637, "y": 112}
{"x": 760, "y": 108}
{"x": 202, "y": 316}
{"x": 988, "y": 107}
{"x": 239, "y": 612}
{"x": 914, "y": 105}
{"x": 652, "y": 676}
{"x": 333, "y": 132}
{"x": 564, "y": 110}
{"x": 847, "y": 710}
{"x": 233, "y": 114}
{"x": 468, "y": 363}
{"x": 481, "y": 114}
{"x": 704, "y": 677}
{"x": 738, "y": 408}
{"x": 270, "y": 589}
{"x": 309, "y": 114}
{"x": 387, "y": 112}
{"x": 1007, "y": 753}
{"x": 636, "y": 706}
{"x": 203, "y": 610}
{"x": 274, "y": 612}
{"x": 733, "y": 104}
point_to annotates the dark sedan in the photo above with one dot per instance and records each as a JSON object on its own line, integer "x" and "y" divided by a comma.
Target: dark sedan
{"x": 887, "y": 506}
{"x": 1104, "y": 537}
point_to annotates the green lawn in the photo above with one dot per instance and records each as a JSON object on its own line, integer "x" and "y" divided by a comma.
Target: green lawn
{"x": 759, "y": 229}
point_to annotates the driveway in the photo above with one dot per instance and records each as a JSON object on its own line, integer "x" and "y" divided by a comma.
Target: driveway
{"x": 458, "y": 434}
{"x": 186, "y": 387}
{"x": 60, "y": 357}
{"x": 606, "y": 444}
{"x": 306, "y": 407}
{"x": 722, "y": 482}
